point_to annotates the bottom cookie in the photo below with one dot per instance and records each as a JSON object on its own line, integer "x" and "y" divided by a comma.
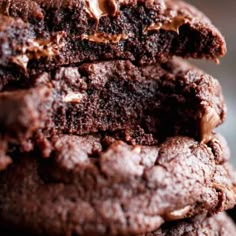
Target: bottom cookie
{"x": 96, "y": 185}
{"x": 219, "y": 224}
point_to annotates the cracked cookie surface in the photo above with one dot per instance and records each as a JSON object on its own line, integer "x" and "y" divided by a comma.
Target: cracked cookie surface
{"x": 97, "y": 185}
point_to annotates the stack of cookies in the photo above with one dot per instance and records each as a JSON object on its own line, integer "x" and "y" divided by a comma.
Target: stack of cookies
{"x": 104, "y": 131}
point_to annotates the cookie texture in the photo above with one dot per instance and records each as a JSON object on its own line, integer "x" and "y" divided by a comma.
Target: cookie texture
{"x": 146, "y": 104}
{"x": 103, "y": 130}
{"x": 219, "y": 224}
{"x": 37, "y": 35}
{"x": 95, "y": 185}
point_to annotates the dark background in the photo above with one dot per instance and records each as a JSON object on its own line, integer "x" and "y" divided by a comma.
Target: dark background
{"x": 223, "y": 15}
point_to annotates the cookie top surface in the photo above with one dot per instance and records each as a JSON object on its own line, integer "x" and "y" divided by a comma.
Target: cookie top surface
{"x": 50, "y": 33}
{"x": 97, "y": 186}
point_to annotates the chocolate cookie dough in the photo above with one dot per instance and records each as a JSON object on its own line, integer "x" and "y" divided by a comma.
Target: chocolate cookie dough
{"x": 95, "y": 185}
{"x": 37, "y": 35}
{"x": 153, "y": 102}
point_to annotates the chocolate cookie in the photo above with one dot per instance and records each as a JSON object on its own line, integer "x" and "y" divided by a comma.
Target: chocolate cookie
{"x": 102, "y": 186}
{"x": 55, "y": 33}
{"x": 217, "y": 225}
{"x": 147, "y": 104}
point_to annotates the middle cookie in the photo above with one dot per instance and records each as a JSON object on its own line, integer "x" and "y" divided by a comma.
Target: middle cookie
{"x": 154, "y": 102}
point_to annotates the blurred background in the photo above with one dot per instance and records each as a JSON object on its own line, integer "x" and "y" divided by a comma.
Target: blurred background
{"x": 223, "y": 15}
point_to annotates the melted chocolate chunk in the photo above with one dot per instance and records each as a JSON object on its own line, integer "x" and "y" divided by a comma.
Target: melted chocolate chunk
{"x": 105, "y": 38}
{"x": 101, "y": 8}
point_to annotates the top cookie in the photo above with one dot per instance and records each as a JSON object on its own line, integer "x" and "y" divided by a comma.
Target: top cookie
{"x": 38, "y": 35}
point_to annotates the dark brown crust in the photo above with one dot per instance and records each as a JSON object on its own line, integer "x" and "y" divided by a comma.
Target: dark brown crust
{"x": 97, "y": 186}
{"x": 147, "y": 104}
{"x": 54, "y": 32}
